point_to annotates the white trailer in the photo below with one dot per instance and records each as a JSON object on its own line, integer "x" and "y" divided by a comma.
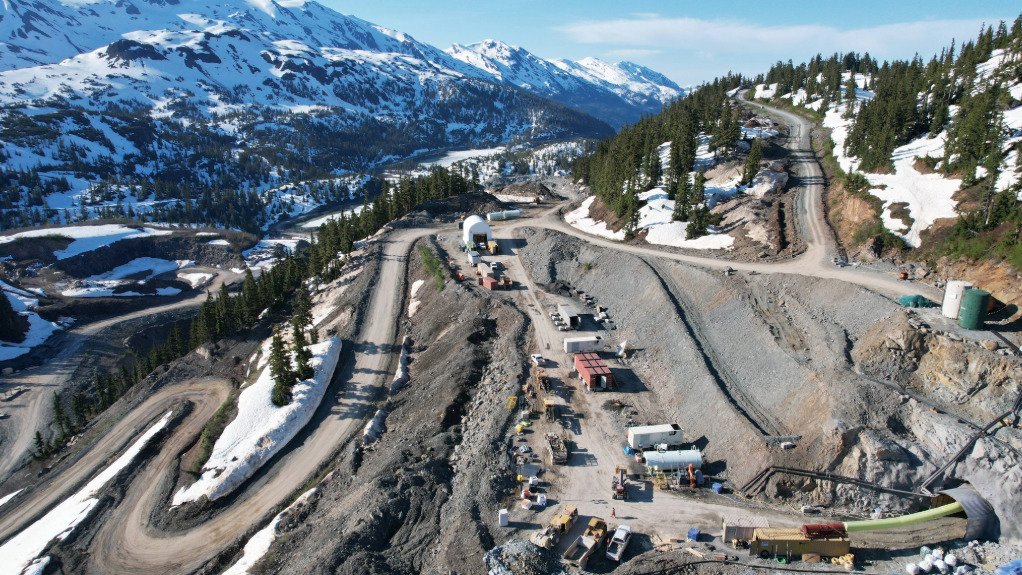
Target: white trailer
{"x": 473, "y": 257}
{"x": 583, "y": 344}
{"x": 649, "y": 436}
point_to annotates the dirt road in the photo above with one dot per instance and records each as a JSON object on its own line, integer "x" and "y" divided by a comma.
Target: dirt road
{"x": 30, "y": 410}
{"x": 126, "y": 542}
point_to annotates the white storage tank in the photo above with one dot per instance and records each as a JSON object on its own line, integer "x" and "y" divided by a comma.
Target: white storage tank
{"x": 673, "y": 460}
{"x": 954, "y": 291}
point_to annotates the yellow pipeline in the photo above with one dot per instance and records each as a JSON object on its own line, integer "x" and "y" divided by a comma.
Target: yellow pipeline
{"x": 904, "y": 520}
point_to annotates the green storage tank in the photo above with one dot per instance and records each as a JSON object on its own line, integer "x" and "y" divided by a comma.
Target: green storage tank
{"x": 974, "y": 308}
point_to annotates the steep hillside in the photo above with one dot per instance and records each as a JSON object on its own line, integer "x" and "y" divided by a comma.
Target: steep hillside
{"x": 925, "y": 155}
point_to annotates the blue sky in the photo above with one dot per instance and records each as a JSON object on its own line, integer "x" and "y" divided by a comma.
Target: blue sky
{"x": 689, "y": 41}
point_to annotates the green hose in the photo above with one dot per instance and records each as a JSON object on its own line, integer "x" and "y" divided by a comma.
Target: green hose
{"x": 904, "y": 520}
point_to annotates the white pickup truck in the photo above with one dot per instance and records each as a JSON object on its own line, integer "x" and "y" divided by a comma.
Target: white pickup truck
{"x": 617, "y": 544}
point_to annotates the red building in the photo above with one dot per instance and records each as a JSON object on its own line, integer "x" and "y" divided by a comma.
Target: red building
{"x": 593, "y": 371}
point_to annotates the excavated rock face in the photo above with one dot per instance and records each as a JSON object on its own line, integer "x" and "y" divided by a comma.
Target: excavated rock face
{"x": 974, "y": 381}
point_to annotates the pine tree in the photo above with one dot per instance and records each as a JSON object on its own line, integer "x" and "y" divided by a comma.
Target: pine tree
{"x": 41, "y": 447}
{"x": 682, "y": 200}
{"x": 13, "y": 326}
{"x": 280, "y": 370}
{"x": 752, "y": 161}
{"x": 303, "y": 370}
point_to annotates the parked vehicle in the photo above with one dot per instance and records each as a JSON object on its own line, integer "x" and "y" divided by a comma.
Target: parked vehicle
{"x": 538, "y": 360}
{"x": 618, "y": 543}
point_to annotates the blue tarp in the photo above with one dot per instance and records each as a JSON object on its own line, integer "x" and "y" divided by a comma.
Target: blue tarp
{"x": 1010, "y": 568}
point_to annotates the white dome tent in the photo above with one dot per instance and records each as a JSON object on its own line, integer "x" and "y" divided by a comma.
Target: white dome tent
{"x": 475, "y": 231}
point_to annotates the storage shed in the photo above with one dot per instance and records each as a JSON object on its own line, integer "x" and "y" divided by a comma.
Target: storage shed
{"x": 594, "y": 371}
{"x": 570, "y": 314}
{"x": 476, "y": 231}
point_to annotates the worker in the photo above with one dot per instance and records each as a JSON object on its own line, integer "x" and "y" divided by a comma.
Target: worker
{"x": 613, "y": 512}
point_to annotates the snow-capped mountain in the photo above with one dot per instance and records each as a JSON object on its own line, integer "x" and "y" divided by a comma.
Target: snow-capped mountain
{"x": 617, "y": 93}
{"x": 171, "y": 98}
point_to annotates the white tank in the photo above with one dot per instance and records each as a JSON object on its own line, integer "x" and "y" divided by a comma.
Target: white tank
{"x": 954, "y": 291}
{"x": 673, "y": 460}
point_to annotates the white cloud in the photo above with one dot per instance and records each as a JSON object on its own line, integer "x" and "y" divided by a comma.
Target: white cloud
{"x": 632, "y": 53}
{"x": 898, "y": 40}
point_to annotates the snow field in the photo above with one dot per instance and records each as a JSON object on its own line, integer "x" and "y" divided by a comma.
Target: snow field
{"x": 39, "y": 330}
{"x": 261, "y": 428}
{"x": 20, "y": 551}
{"x": 87, "y": 238}
{"x": 929, "y": 197}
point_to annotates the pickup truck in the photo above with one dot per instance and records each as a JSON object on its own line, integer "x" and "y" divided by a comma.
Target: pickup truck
{"x": 618, "y": 543}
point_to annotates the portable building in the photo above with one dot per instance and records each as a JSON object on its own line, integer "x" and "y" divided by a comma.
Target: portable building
{"x": 953, "y": 293}
{"x": 673, "y": 460}
{"x": 570, "y": 314}
{"x": 594, "y": 371}
{"x": 646, "y": 436}
{"x": 772, "y": 542}
{"x": 474, "y": 257}
{"x": 582, "y": 344}
{"x": 476, "y": 231}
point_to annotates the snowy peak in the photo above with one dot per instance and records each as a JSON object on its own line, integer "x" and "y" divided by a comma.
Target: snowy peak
{"x": 618, "y": 93}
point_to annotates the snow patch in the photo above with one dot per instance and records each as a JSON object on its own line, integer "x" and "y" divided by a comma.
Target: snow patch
{"x": 260, "y": 543}
{"x": 261, "y": 429}
{"x": 579, "y": 219}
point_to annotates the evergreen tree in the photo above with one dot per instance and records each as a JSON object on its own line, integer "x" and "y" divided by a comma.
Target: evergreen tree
{"x": 13, "y": 326}
{"x": 303, "y": 370}
{"x": 682, "y": 200}
{"x": 280, "y": 370}
{"x": 752, "y": 161}
{"x": 42, "y": 449}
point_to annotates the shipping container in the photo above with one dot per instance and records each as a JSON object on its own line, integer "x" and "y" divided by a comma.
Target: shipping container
{"x": 772, "y": 542}
{"x": 582, "y": 344}
{"x": 593, "y": 371}
{"x": 490, "y": 282}
{"x": 648, "y": 436}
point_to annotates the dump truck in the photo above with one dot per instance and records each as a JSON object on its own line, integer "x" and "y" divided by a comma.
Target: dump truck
{"x": 582, "y": 548}
{"x": 558, "y": 451}
{"x": 618, "y": 543}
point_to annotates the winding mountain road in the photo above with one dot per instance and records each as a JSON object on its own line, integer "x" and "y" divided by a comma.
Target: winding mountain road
{"x": 127, "y": 541}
